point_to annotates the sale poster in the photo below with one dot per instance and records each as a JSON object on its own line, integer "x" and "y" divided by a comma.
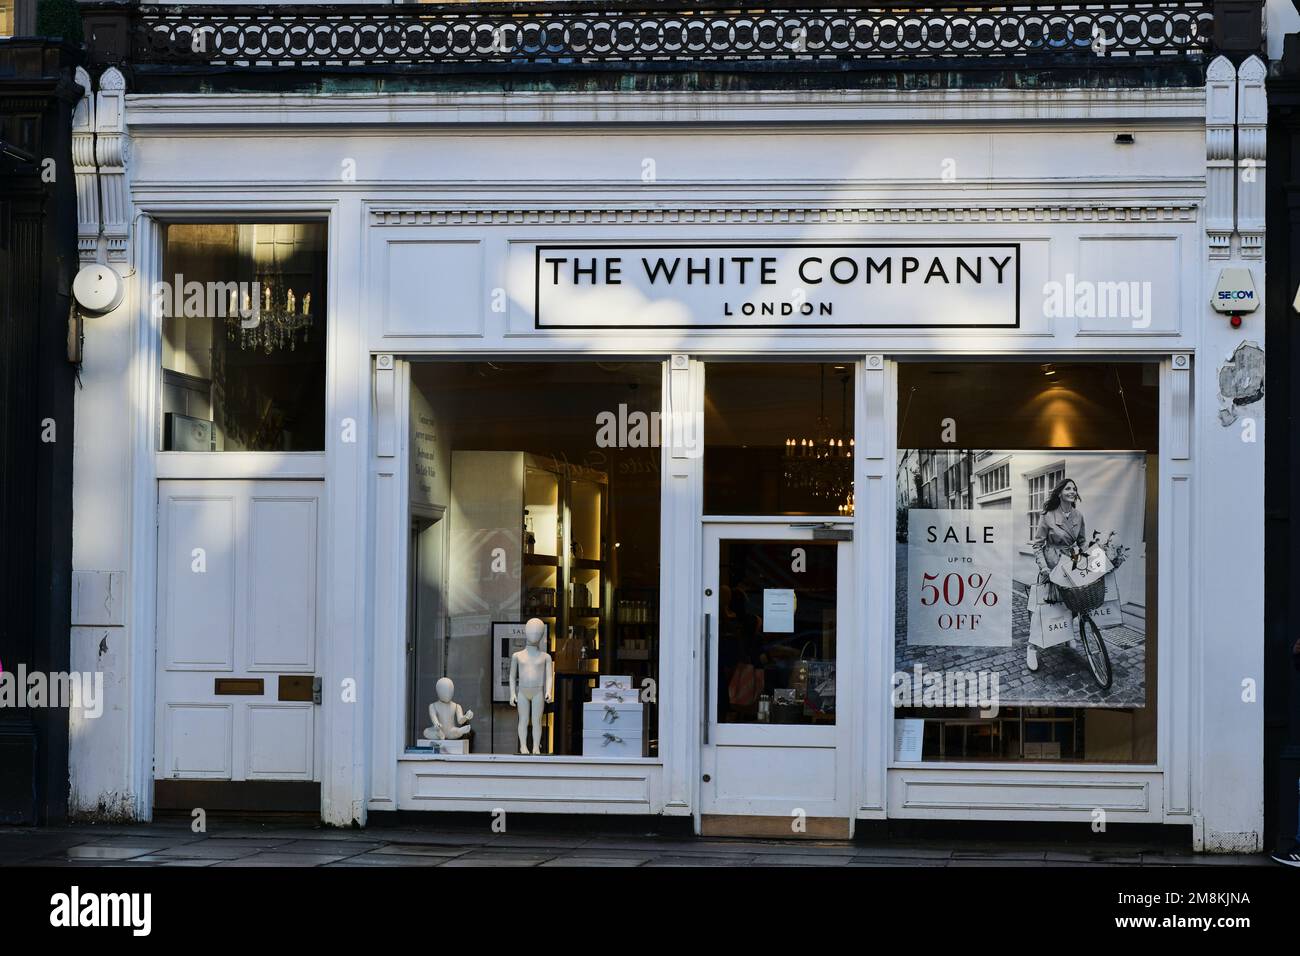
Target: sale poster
{"x": 1001, "y": 557}
{"x": 959, "y": 576}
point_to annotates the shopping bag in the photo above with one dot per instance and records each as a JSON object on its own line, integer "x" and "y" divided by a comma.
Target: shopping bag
{"x": 1080, "y": 571}
{"x": 1110, "y": 613}
{"x": 1050, "y": 625}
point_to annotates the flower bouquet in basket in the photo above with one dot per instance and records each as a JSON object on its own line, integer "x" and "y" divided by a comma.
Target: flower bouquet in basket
{"x": 1117, "y": 553}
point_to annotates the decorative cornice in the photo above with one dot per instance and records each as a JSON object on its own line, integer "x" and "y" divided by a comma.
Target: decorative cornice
{"x": 779, "y": 215}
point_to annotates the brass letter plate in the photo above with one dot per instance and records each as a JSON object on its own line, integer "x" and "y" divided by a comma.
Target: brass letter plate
{"x": 296, "y": 687}
{"x": 239, "y": 687}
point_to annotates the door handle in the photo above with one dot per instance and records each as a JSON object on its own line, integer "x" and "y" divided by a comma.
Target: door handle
{"x": 704, "y": 652}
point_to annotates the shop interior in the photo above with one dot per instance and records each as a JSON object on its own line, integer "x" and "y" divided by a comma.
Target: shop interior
{"x": 535, "y": 494}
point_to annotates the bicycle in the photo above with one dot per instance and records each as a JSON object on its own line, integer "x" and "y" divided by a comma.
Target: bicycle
{"x": 1082, "y": 601}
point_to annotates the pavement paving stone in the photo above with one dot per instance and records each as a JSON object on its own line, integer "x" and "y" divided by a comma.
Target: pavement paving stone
{"x": 245, "y": 843}
{"x": 798, "y": 859}
{"x": 158, "y": 859}
{"x": 643, "y": 852}
{"x": 344, "y": 847}
{"x": 489, "y": 854}
{"x": 207, "y": 850}
{"x": 598, "y": 861}
{"x": 418, "y": 849}
{"x": 1003, "y": 854}
{"x": 275, "y": 858}
{"x": 700, "y": 861}
{"x": 1115, "y": 859}
{"x": 901, "y": 852}
{"x": 462, "y": 861}
{"x": 442, "y": 838}
{"x": 86, "y": 852}
{"x": 389, "y": 860}
{"x": 988, "y": 861}
{"x": 895, "y": 862}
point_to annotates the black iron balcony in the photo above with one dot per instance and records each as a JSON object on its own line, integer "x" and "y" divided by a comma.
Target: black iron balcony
{"x": 862, "y": 32}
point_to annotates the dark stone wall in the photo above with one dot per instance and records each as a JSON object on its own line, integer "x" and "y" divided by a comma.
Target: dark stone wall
{"x": 1281, "y": 478}
{"x": 37, "y": 261}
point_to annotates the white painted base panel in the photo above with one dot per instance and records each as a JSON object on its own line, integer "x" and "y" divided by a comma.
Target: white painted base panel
{"x": 1036, "y": 794}
{"x": 528, "y": 785}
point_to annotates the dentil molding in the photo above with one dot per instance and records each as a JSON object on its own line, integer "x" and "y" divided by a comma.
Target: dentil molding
{"x": 423, "y": 215}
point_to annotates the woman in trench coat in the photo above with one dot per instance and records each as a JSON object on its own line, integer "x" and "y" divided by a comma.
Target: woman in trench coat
{"x": 1061, "y": 528}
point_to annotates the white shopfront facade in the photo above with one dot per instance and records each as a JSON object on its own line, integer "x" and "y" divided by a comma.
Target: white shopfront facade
{"x": 441, "y": 212}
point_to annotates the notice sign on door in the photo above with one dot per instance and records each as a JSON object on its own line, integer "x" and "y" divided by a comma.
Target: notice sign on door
{"x": 778, "y": 610}
{"x": 796, "y": 286}
{"x": 959, "y": 577}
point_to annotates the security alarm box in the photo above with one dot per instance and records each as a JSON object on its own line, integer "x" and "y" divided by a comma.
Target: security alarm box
{"x": 1235, "y": 292}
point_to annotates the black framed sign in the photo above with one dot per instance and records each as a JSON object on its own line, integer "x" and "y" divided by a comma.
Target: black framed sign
{"x": 778, "y": 286}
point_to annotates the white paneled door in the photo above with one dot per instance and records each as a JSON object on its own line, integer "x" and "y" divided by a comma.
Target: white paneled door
{"x": 777, "y": 630}
{"x": 239, "y": 596}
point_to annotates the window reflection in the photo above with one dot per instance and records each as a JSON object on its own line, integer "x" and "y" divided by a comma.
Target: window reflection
{"x": 242, "y": 309}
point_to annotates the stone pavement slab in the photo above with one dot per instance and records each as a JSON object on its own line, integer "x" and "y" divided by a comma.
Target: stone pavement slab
{"x": 296, "y": 844}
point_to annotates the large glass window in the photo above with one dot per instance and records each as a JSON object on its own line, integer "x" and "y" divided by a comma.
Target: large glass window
{"x": 534, "y": 500}
{"x": 242, "y": 308}
{"x": 1026, "y": 562}
{"x": 778, "y": 438}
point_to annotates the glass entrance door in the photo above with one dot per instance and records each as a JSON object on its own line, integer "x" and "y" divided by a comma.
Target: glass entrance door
{"x": 777, "y": 629}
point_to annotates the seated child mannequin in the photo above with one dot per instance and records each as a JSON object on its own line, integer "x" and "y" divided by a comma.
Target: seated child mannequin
{"x": 450, "y": 722}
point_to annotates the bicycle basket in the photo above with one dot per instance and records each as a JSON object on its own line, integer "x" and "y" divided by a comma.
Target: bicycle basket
{"x": 1087, "y": 598}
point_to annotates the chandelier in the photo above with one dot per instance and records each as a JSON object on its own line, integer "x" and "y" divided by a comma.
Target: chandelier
{"x": 821, "y": 464}
{"x": 280, "y": 318}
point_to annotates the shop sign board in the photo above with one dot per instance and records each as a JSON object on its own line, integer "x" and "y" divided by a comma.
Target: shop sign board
{"x": 788, "y": 286}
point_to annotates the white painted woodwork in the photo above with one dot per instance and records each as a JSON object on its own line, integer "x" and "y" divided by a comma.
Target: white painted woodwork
{"x": 238, "y": 597}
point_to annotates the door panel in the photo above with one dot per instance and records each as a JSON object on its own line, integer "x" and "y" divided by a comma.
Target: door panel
{"x": 238, "y": 597}
{"x": 197, "y": 567}
{"x": 198, "y": 739}
{"x": 745, "y": 774}
{"x": 282, "y": 584}
{"x": 778, "y": 612}
{"x": 280, "y": 741}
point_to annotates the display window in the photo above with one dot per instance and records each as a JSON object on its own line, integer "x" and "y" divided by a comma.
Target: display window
{"x": 242, "y": 310}
{"x": 534, "y": 558}
{"x": 778, "y": 438}
{"x": 1025, "y": 588}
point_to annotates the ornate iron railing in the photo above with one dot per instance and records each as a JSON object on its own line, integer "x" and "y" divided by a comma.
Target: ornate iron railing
{"x": 614, "y": 31}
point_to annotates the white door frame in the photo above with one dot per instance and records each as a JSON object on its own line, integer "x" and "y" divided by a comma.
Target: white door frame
{"x": 837, "y": 738}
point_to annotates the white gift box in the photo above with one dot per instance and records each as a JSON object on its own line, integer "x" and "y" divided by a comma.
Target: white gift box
{"x": 612, "y": 744}
{"x": 621, "y": 715}
{"x": 612, "y": 729}
{"x": 614, "y": 689}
